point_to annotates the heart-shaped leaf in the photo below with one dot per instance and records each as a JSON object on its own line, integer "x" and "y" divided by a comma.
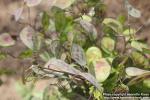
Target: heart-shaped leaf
{"x": 26, "y": 36}
{"x": 62, "y": 67}
{"x": 6, "y": 40}
{"x": 31, "y": 3}
{"x": 133, "y": 71}
{"x": 17, "y": 13}
{"x": 102, "y": 69}
{"x": 78, "y": 55}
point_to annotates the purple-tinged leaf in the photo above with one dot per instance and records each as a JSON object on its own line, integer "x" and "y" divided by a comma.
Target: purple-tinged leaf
{"x": 62, "y": 67}
{"x": 78, "y": 55}
{"x": 26, "y": 36}
{"x": 90, "y": 28}
{"x": 6, "y": 40}
{"x": 17, "y": 13}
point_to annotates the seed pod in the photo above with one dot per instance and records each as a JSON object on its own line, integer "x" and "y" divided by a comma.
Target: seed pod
{"x": 93, "y": 54}
{"x": 102, "y": 69}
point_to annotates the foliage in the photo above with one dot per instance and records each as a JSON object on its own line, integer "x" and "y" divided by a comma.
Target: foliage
{"x": 69, "y": 46}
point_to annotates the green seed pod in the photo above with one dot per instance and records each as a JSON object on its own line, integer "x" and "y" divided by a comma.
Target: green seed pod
{"x": 146, "y": 82}
{"x": 139, "y": 59}
{"x": 93, "y": 54}
{"x": 102, "y": 69}
{"x": 108, "y": 43}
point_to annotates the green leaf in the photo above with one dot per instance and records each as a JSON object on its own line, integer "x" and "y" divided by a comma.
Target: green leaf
{"x": 45, "y": 56}
{"x": 2, "y": 56}
{"x": 146, "y": 82}
{"x": 110, "y": 83}
{"x": 45, "y": 21}
{"x": 63, "y": 23}
{"x": 139, "y": 59}
{"x": 46, "y": 95}
{"x": 121, "y": 19}
{"x": 117, "y": 60}
{"x": 26, "y": 54}
{"x": 113, "y": 24}
{"x": 138, "y": 45}
{"x": 129, "y": 32}
{"x": 146, "y": 50}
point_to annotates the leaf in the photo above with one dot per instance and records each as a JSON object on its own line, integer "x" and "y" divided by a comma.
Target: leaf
{"x": 6, "y": 40}
{"x": 78, "y": 55}
{"x": 26, "y": 54}
{"x": 138, "y": 79}
{"x": 133, "y": 71}
{"x": 26, "y": 36}
{"x": 102, "y": 69}
{"x": 45, "y": 21}
{"x": 45, "y": 56}
{"x": 17, "y": 13}
{"x": 55, "y": 47}
{"x": 2, "y": 56}
{"x": 93, "y": 54}
{"x": 108, "y": 43}
{"x": 63, "y": 4}
{"x": 121, "y": 19}
{"x": 129, "y": 32}
{"x": 87, "y": 18}
{"x": 113, "y": 24}
{"x": 31, "y": 3}
{"x": 38, "y": 71}
{"x": 131, "y": 10}
{"x": 63, "y": 23}
{"x": 146, "y": 82}
{"x": 62, "y": 67}
{"x": 146, "y": 50}
{"x": 89, "y": 28}
{"x": 139, "y": 59}
{"x": 70, "y": 37}
{"x": 138, "y": 45}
